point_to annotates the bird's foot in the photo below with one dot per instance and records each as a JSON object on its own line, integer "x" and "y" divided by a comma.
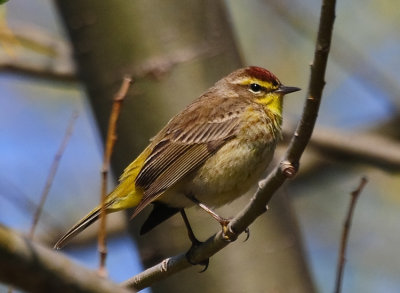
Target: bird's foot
{"x": 189, "y": 254}
{"x": 228, "y": 234}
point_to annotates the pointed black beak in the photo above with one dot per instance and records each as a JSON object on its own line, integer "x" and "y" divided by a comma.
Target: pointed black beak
{"x": 287, "y": 89}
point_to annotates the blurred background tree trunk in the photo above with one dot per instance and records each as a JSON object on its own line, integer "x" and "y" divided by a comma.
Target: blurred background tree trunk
{"x": 175, "y": 50}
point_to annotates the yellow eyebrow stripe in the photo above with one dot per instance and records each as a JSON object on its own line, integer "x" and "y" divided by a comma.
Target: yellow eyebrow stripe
{"x": 248, "y": 81}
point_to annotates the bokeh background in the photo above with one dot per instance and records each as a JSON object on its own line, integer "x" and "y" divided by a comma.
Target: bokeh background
{"x": 361, "y": 97}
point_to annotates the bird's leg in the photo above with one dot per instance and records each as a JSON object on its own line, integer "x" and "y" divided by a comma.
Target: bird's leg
{"x": 226, "y": 232}
{"x": 189, "y": 229}
{"x": 194, "y": 241}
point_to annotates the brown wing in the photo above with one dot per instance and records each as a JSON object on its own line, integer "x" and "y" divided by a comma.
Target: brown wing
{"x": 184, "y": 145}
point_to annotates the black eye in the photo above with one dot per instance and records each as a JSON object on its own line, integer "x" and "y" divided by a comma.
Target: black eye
{"x": 255, "y": 87}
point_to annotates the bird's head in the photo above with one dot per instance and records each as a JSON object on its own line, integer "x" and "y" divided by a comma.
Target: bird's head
{"x": 261, "y": 86}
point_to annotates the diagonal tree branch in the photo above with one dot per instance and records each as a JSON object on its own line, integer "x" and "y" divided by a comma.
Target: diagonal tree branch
{"x": 267, "y": 187}
{"x": 35, "y": 268}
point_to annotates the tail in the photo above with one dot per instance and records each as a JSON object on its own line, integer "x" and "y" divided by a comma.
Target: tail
{"x": 89, "y": 219}
{"x": 124, "y": 196}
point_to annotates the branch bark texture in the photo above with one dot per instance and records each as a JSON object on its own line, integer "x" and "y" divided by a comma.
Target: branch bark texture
{"x": 35, "y": 268}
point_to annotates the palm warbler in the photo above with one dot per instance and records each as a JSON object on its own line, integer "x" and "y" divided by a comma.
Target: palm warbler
{"x": 207, "y": 155}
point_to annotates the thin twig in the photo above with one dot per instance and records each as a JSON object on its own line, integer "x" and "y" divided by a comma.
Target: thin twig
{"x": 42, "y": 71}
{"x": 22, "y": 202}
{"x": 57, "y": 66}
{"x": 37, "y": 40}
{"x": 160, "y": 65}
{"x": 268, "y": 186}
{"x": 345, "y": 234}
{"x": 52, "y": 173}
{"x": 50, "y": 177}
{"x": 110, "y": 141}
{"x": 356, "y": 147}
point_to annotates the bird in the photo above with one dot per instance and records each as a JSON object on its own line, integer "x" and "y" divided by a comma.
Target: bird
{"x": 208, "y": 155}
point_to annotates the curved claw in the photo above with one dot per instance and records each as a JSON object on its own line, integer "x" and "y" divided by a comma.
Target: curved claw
{"x": 247, "y": 231}
{"x": 204, "y": 263}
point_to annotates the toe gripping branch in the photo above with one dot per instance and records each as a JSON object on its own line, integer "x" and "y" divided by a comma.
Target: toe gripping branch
{"x": 228, "y": 234}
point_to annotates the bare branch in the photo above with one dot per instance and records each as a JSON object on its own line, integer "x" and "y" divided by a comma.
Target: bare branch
{"x": 36, "y": 39}
{"x": 35, "y": 268}
{"x": 268, "y": 186}
{"x": 366, "y": 148}
{"x": 369, "y": 148}
{"x": 158, "y": 66}
{"x": 58, "y": 66}
{"x": 52, "y": 172}
{"x": 345, "y": 234}
{"x": 110, "y": 141}
{"x": 37, "y": 70}
{"x": 24, "y": 204}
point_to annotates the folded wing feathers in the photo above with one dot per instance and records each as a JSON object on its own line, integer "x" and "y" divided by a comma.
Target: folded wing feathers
{"x": 182, "y": 149}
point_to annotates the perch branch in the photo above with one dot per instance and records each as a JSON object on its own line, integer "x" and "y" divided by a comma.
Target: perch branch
{"x": 35, "y": 268}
